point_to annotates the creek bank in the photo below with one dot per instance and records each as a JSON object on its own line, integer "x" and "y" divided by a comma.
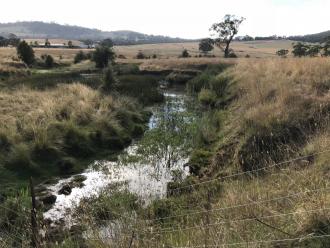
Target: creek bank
{"x": 148, "y": 179}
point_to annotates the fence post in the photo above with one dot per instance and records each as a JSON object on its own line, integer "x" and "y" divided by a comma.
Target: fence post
{"x": 132, "y": 239}
{"x": 34, "y": 224}
{"x": 207, "y": 218}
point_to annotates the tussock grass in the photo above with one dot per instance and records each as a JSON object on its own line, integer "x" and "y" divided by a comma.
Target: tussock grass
{"x": 280, "y": 110}
{"x": 38, "y": 129}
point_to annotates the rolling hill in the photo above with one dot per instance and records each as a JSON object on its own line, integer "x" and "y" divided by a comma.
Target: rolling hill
{"x": 319, "y": 37}
{"x": 55, "y": 31}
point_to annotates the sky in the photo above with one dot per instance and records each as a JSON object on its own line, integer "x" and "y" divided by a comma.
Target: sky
{"x": 176, "y": 18}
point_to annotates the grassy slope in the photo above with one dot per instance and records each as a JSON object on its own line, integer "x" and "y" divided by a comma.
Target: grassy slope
{"x": 44, "y": 132}
{"x": 263, "y": 112}
{"x": 259, "y": 113}
{"x": 279, "y": 109}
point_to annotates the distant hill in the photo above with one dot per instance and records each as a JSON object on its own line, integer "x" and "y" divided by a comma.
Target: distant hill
{"x": 319, "y": 37}
{"x": 57, "y": 31}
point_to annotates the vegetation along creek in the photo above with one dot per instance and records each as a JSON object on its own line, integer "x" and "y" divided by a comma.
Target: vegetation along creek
{"x": 145, "y": 167}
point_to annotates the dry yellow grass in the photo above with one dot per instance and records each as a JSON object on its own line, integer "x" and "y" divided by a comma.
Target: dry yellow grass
{"x": 255, "y": 49}
{"x": 26, "y": 112}
{"x": 282, "y": 202}
{"x": 167, "y": 54}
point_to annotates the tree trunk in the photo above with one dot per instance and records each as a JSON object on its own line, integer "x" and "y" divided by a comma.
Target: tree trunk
{"x": 227, "y": 50}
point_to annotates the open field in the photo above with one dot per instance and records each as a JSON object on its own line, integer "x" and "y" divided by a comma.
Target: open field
{"x": 166, "y": 53}
{"x": 253, "y": 48}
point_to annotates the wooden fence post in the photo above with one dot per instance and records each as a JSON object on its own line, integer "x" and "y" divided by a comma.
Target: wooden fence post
{"x": 207, "y": 218}
{"x": 34, "y": 224}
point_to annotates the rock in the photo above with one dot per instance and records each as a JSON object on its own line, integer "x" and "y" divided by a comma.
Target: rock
{"x": 65, "y": 190}
{"x": 79, "y": 178}
{"x": 48, "y": 199}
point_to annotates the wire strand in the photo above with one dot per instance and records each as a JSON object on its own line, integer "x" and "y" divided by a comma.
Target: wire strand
{"x": 242, "y": 205}
{"x": 258, "y": 241}
{"x": 250, "y": 171}
{"x": 239, "y": 220}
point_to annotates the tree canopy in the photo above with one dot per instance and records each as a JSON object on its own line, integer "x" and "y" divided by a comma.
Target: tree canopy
{"x": 226, "y": 31}
{"x": 102, "y": 56}
{"x": 206, "y": 45}
{"x": 25, "y": 53}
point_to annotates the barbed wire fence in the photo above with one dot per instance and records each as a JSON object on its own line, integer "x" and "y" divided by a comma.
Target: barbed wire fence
{"x": 150, "y": 232}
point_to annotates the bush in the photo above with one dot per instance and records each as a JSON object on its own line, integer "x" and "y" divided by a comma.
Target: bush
{"x": 25, "y": 53}
{"x": 232, "y": 55}
{"x": 198, "y": 160}
{"x": 142, "y": 87}
{"x": 207, "y": 97}
{"x": 4, "y": 143}
{"x": 66, "y": 165}
{"x": 140, "y": 55}
{"x": 49, "y": 61}
{"x": 19, "y": 159}
{"x": 77, "y": 142}
{"x": 219, "y": 84}
{"x": 185, "y": 54}
{"x": 80, "y": 56}
{"x": 102, "y": 56}
{"x": 125, "y": 69}
{"x": 109, "y": 81}
{"x": 199, "y": 82}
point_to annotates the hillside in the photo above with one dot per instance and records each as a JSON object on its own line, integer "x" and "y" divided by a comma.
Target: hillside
{"x": 56, "y": 31}
{"x": 319, "y": 37}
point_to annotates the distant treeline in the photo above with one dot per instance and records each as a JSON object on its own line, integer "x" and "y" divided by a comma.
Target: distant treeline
{"x": 250, "y": 38}
{"x": 313, "y": 38}
{"x": 11, "y": 40}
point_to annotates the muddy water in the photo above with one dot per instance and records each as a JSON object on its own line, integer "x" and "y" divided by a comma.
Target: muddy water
{"x": 147, "y": 179}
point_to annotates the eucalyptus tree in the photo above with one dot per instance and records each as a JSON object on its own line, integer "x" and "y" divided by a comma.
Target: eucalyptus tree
{"x": 226, "y": 31}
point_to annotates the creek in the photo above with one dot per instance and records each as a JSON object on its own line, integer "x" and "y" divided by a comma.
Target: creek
{"x": 145, "y": 167}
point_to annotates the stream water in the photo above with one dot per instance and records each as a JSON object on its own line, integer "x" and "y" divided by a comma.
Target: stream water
{"x": 147, "y": 177}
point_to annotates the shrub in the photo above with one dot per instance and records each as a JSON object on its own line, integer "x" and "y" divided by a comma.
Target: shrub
{"x": 4, "y": 142}
{"x": 25, "y": 53}
{"x": 198, "y": 160}
{"x": 109, "y": 81}
{"x": 185, "y": 54}
{"x": 232, "y": 55}
{"x": 102, "y": 56}
{"x": 140, "y": 55}
{"x": 121, "y": 56}
{"x": 19, "y": 159}
{"x": 207, "y": 97}
{"x": 219, "y": 84}
{"x": 77, "y": 142}
{"x": 49, "y": 61}
{"x": 282, "y": 52}
{"x": 66, "y": 165}
{"x": 125, "y": 69}
{"x": 142, "y": 87}
{"x": 80, "y": 56}
{"x": 199, "y": 82}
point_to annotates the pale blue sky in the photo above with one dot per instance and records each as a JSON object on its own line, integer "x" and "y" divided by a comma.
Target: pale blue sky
{"x": 183, "y": 18}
